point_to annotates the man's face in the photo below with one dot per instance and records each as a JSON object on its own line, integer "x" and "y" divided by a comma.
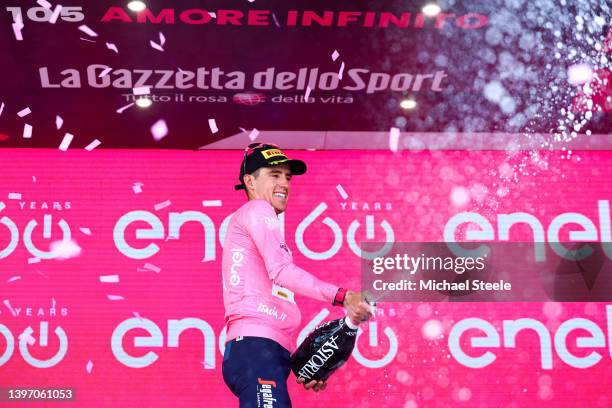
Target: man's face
{"x": 271, "y": 185}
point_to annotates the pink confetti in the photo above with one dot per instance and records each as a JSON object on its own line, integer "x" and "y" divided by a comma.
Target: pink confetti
{"x": 162, "y": 39}
{"x": 58, "y": 122}
{"x": 137, "y": 315}
{"x": 33, "y": 179}
{"x": 212, "y": 14}
{"x": 109, "y": 278}
{"x": 27, "y": 131}
{"x": 28, "y": 338}
{"x": 17, "y": 27}
{"x": 137, "y": 187}
{"x": 152, "y": 267}
{"x": 33, "y": 260}
{"x": 85, "y": 230}
{"x": 122, "y": 109}
{"x": 64, "y": 249}
{"x": 213, "y": 125}
{"x": 8, "y": 305}
{"x": 341, "y": 71}
{"x": 112, "y": 47}
{"x": 87, "y": 39}
{"x": 275, "y": 20}
{"x": 44, "y": 3}
{"x": 88, "y": 31}
{"x": 253, "y": 135}
{"x": 156, "y": 46}
{"x": 342, "y": 191}
{"x": 159, "y": 130}
{"x": 14, "y": 196}
{"x": 307, "y": 94}
{"x": 1, "y": 108}
{"x": 141, "y": 90}
{"x": 13, "y": 279}
{"x": 89, "y": 367}
{"x": 335, "y": 55}
{"x": 56, "y": 14}
{"x": 24, "y": 112}
{"x": 66, "y": 142}
{"x": 115, "y": 297}
{"x": 212, "y": 203}
{"x": 165, "y": 204}
{"x": 394, "y": 135}
{"x": 93, "y": 145}
{"x": 105, "y": 72}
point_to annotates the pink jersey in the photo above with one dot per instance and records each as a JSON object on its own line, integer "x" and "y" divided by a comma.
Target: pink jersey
{"x": 259, "y": 278}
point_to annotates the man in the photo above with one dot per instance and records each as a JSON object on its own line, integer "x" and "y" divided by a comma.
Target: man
{"x": 259, "y": 281}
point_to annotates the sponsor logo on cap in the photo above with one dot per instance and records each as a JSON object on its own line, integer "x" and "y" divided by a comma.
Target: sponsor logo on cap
{"x": 272, "y": 153}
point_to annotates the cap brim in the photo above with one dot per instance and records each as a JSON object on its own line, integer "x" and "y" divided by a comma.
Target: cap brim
{"x": 297, "y": 167}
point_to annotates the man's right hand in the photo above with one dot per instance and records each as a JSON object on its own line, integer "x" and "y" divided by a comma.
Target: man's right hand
{"x": 358, "y": 309}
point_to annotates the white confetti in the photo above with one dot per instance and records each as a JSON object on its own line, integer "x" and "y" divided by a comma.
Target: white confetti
{"x": 341, "y": 72}
{"x": 85, "y": 230}
{"x": 44, "y": 3}
{"x": 156, "y": 46}
{"x": 33, "y": 179}
{"x": 253, "y": 135}
{"x": 33, "y": 260}
{"x": 93, "y": 145}
{"x": 137, "y": 315}
{"x": 137, "y": 187}
{"x": 212, "y": 14}
{"x": 13, "y": 279}
{"x": 27, "y": 337}
{"x": 342, "y": 191}
{"x": 152, "y": 267}
{"x": 105, "y": 72}
{"x": 159, "y": 206}
{"x": 24, "y": 112}
{"x": 53, "y": 303}
{"x": 109, "y": 278}
{"x": 88, "y": 31}
{"x": 307, "y": 94}
{"x": 64, "y": 249}
{"x": 87, "y": 39}
{"x": 394, "y": 135}
{"x": 66, "y": 142}
{"x": 1, "y": 108}
{"x": 8, "y": 305}
{"x": 275, "y": 20}
{"x": 159, "y": 130}
{"x": 213, "y": 125}
{"x": 212, "y": 203}
{"x": 112, "y": 47}
{"x": 14, "y": 196}
{"x": 141, "y": 90}
{"x": 115, "y": 297}
{"x": 120, "y": 110}
{"x": 17, "y": 27}
{"x": 89, "y": 366}
{"x": 27, "y": 131}
{"x": 55, "y": 15}
{"x": 162, "y": 39}
{"x": 335, "y": 55}
{"x": 58, "y": 121}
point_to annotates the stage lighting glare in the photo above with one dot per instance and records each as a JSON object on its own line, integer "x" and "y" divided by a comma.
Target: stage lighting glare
{"x": 136, "y": 6}
{"x": 408, "y": 104}
{"x": 431, "y": 10}
{"x": 143, "y": 102}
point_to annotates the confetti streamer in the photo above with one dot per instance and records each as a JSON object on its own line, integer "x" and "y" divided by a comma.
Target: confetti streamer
{"x": 115, "y": 297}
{"x": 212, "y": 203}
{"x": 159, "y": 206}
{"x": 109, "y": 278}
{"x": 85, "y": 230}
{"x": 141, "y": 90}
{"x": 342, "y": 191}
{"x": 341, "y": 70}
{"x": 58, "y": 122}
{"x": 152, "y": 267}
{"x": 253, "y": 135}
{"x": 104, "y": 72}
{"x": 112, "y": 47}
{"x": 87, "y": 39}
{"x": 24, "y": 112}
{"x": 307, "y": 95}
{"x": 394, "y": 135}
{"x": 89, "y": 367}
{"x": 137, "y": 187}
{"x": 122, "y": 109}
{"x": 66, "y": 142}
{"x": 213, "y": 125}
{"x": 93, "y": 145}
{"x": 13, "y": 279}
{"x": 14, "y": 196}
{"x": 335, "y": 55}
{"x": 56, "y": 14}
{"x": 88, "y": 31}
{"x": 159, "y": 130}
{"x": 27, "y": 131}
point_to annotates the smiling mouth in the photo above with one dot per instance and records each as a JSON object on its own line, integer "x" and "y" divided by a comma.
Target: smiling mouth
{"x": 282, "y": 196}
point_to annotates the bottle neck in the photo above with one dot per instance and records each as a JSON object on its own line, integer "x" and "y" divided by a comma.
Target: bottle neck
{"x": 350, "y": 324}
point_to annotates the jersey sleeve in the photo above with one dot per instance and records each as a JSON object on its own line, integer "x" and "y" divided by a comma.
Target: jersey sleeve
{"x": 262, "y": 224}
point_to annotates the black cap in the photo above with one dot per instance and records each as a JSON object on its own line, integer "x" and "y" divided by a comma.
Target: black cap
{"x": 258, "y": 155}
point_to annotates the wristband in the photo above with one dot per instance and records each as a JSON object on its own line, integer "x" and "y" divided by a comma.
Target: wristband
{"x": 340, "y": 296}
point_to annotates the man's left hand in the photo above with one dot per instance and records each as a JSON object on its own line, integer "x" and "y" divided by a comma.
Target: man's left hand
{"x": 314, "y": 385}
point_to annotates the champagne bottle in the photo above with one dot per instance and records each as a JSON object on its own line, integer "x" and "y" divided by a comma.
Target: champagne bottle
{"x": 324, "y": 350}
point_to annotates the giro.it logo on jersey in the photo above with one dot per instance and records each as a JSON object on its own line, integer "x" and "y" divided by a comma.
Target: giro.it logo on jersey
{"x": 265, "y": 393}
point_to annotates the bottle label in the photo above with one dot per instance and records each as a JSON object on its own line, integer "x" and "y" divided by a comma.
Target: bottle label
{"x": 318, "y": 360}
